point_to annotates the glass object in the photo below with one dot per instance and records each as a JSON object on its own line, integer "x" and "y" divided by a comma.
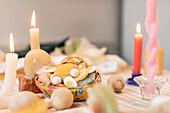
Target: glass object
{"x": 150, "y": 89}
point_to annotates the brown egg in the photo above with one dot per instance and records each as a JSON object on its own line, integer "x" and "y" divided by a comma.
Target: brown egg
{"x": 116, "y": 82}
{"x": 62, "y": 98}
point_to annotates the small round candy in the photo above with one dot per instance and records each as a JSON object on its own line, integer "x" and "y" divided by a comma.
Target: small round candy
{"x": 74, "y": 72}
{"x": 70, "y": 82}
{"x": 116, "y": 82}
{"x": 62, "y": 98}
{"x": 56, "y": 80}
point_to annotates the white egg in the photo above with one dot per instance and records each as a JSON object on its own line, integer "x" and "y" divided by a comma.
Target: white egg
{"x": 50, "y": 69}
{"x": 93, "y": 69}
{"x": 56, "y": 80}
{"x": 70, "y": 82}
{"x": 74, "y": 72}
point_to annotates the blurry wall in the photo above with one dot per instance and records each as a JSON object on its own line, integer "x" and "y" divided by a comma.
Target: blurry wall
{"x": 95, "y": 19}
{"x": 133, "y": 12}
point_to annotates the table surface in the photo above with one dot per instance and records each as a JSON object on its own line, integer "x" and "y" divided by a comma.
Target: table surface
{"x": 128, "y": 100}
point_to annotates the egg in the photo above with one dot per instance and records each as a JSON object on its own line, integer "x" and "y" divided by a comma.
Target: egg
{"x": 70, "y": 82}
{"x": 50, "y": 69}
{"x": 74, "y": 72}
{"x": 62, "y": 98}
{"x": 93, "y": 69}
{"x": 56, "y": 80}
{"x": 21, "y": 100}
{"x": 116, "y": 82}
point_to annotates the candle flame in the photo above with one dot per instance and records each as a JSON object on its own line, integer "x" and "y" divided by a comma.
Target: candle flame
{"x": 33, "y": 19}
{"x": 138, "y": 28}
{"x": 11, "y": 43}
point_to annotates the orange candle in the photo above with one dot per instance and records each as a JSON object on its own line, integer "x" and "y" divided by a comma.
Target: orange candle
{"x": 137, "y": 50}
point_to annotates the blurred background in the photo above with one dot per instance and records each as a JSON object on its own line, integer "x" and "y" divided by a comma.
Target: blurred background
{"x": 110, "y": 23}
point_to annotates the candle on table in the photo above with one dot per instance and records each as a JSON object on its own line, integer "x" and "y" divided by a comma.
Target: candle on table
{"x": 34, "y": 33}
{"x": 10, "y": 70}
{"x": 153, "y": 45}
{"x": 137, "y": 50}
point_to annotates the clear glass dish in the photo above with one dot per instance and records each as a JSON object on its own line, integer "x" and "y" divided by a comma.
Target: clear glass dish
{"x": 150, "y": 89}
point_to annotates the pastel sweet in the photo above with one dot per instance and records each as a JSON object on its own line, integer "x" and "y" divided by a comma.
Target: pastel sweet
{"x": 62, "y": 98}
{"x": 70, "y": 82}
{"x": 56, "y": 80}
{"x": 43, "y": 77}
{"x": 116, "y": 82}
{"x": 63, "y": 70}
{"x": 74, "y": 72}
{"x": 83, "y": 74}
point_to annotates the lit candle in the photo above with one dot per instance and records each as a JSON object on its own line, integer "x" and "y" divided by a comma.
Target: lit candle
{"x": 10, "y": 70}
{"x": 34, "y": 33}
{"x": 137, "y": 50}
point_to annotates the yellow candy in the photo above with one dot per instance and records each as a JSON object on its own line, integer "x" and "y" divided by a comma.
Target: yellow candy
{"x": 70, "y": 82}
{"x": 83, "y": 74}
{"x": 63, "y": 70}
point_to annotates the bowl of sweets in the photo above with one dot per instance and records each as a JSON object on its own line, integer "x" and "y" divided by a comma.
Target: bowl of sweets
{"x": 72, "y": 73}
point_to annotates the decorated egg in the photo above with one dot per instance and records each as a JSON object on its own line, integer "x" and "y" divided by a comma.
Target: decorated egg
{"x": 75, "y": 60}
{"x": 70, "y": 82}
{"x": 74, "y": 72}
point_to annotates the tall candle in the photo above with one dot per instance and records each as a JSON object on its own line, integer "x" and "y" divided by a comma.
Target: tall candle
{"x": 34, "y": 33}
{"x": 10, "y": 70}
{"x": 153, "y": 45}
{"x": 137, "y": 50}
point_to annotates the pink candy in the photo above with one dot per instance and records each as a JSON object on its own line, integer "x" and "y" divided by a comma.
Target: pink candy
{"x": 153, "y": 45}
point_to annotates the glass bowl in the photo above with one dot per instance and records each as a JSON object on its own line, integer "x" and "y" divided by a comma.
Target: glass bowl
{"x": 150, "y": 89}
